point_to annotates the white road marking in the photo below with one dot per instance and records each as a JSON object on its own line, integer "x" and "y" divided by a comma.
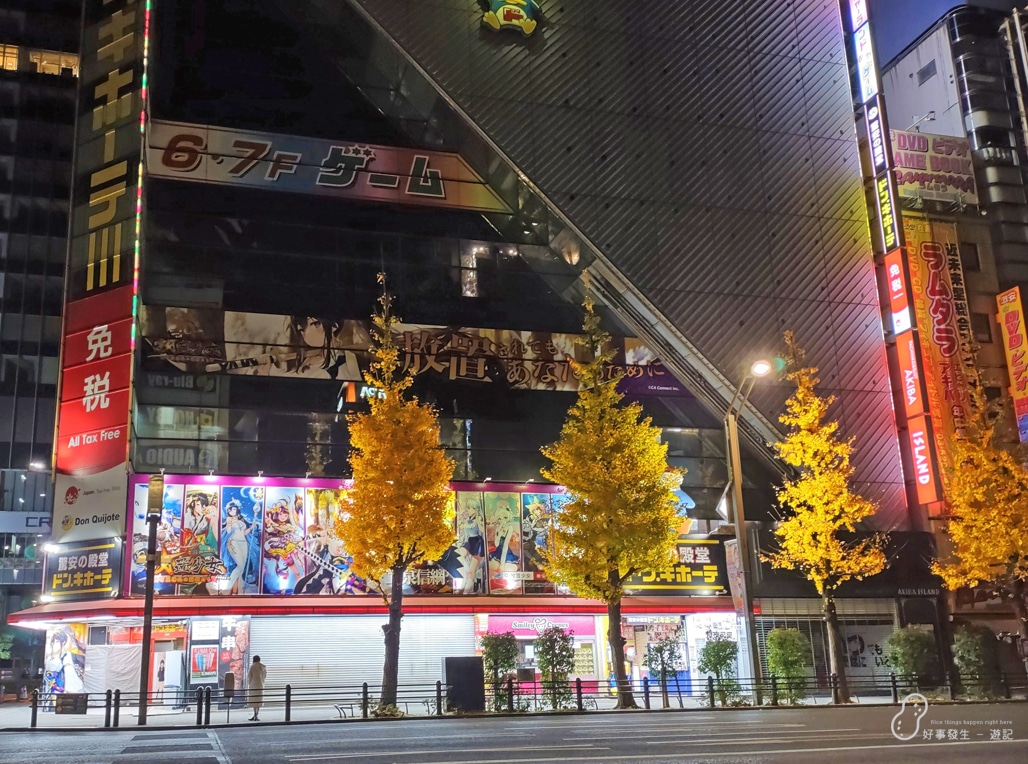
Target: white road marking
{"x": 723, "y": 754}
{"x": 366, "y": 754}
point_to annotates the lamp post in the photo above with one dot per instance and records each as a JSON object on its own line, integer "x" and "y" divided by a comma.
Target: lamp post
{"x": 154, "y": 507}
{"x": 759, "y": 369}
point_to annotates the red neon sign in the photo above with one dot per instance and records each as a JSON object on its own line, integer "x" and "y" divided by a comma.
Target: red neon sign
{"x": 910, "y": 377}
{"x": 923, "y": 464}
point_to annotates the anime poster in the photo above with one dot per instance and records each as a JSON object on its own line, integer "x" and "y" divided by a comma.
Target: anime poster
{"x": 65, "y": 663}
{"x": 469, "y": 572}
{"x": 169, "y": 538}
{"x": 203, "y": 663}
{"x": 326, "y": 560}
{"x": 283, "y": 548}
{"x": 200, "y": 525}
{"x": 503, "y": 539}
{"x": 242, "y": 512}
{"x": 536, "y": 517}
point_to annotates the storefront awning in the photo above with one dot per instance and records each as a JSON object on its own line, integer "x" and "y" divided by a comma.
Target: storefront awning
{"x": 131, "y": 609}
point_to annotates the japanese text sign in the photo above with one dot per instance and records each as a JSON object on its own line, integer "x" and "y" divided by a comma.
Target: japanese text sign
{"x": 88, "y": 570}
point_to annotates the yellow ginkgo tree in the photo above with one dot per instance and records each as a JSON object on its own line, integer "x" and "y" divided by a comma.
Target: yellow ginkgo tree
{"x": 400, "y": 509}
{"x": 622, "y": 513}
{"x": 819, "y": 508}
{"x": 987, "y": 527}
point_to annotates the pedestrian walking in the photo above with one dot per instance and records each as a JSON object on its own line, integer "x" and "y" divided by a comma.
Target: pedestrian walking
{"x": 255, "y": 686}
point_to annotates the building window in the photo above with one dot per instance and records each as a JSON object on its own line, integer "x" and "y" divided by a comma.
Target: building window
{"x": 926, "y": 72}
{"x": 54, "y": 62}
{"x": 981, "y": 323}
{"x": 9, "y": 57}
{"x": 969, "y": 257}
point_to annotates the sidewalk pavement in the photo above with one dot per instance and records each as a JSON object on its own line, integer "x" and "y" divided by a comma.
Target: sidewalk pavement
{"x": 18, "y": 715}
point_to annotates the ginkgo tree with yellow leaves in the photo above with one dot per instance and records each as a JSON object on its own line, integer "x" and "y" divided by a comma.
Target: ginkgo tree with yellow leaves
{"x": 622, "y": 513}
{"x": 819, "y": 505}
{"x": 400, "y": 509}
{"x": 987, "y": 525}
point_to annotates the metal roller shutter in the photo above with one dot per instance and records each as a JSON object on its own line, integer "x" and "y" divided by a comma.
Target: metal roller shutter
{"x": 335, "y": 651}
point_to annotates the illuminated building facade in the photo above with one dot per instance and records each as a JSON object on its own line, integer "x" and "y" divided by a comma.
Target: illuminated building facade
{"x": 246, "y": 169}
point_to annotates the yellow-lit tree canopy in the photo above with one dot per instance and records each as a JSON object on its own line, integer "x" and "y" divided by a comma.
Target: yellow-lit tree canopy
{"x": 401, "y": 511}
{"x": 820, "y": 505}
{"x": 623, "y": 513}
{"x": 988, "y": 523}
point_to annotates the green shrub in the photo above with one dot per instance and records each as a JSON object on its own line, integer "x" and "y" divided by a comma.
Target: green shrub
{"x": 718, "y": 657}
{"x": 976, "y": 656}
{"x": 788, "y": 656}
{"x": 555, "y": 656}
{"x": 913, "y": 655}
{"x": 500, "y": 656}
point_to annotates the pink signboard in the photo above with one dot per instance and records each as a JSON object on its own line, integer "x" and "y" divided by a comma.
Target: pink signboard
{"x": 531, "y": 626}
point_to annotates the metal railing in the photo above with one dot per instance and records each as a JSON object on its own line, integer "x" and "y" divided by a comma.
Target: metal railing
{"x": 212, "y": 705}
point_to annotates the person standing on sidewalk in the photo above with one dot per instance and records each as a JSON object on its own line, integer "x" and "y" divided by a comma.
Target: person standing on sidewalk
{"x": 255, "y": 686}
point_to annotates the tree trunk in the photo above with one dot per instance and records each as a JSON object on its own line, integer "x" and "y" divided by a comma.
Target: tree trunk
{"x": 391, "y": 667}
{"x": 1021, "y": 609}
{"x": 836, "y": 648}
{"x": 617, "y": 651}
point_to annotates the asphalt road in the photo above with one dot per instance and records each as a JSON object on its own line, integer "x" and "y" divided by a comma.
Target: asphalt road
{"x": 838, "y": 736}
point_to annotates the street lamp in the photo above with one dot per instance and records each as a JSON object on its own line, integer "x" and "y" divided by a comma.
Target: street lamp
{"x": 154, "y": 507}
{"x": 759, "y": 369}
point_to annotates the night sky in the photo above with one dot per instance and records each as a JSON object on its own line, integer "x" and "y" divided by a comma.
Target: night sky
{"x": 897, "y": 23}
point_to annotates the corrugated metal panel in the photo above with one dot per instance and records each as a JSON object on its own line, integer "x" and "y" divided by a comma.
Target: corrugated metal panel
{"x": 811, "y": 606}
{"x": 708, "y": 152}
{"x": 327, "y": 651}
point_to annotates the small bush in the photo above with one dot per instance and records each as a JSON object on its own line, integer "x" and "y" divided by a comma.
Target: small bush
{"x": 788, "y": 655}
{"x": 913, "y": 654}
{"x": 500, "y": 656}
{"x": 975, "y": 654}
{"x": 718, "y": 657}
{"x": 555, "y": 654}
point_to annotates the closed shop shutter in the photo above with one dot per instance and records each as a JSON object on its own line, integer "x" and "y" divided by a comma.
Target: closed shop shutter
{"x": 345, "y": 651}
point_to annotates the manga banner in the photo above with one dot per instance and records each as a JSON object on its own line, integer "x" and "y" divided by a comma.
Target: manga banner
{"x": 169, "y": 539}
{"x": 469, "y": 575}
{"x": 932, "y": 254}
{"x": 327, "y": 563}
{"x": 242, "y": 514}
{"x": 284, "y": 545}
{"x": 536, "y": 516}
{"x": 210, "y": 341}
{"x": 64, "y": 665}
{"x": 503, "y": 535}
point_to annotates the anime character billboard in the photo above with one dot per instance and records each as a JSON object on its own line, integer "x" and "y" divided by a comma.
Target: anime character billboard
{"x": 283, "y": 547}
{"x": 242, "y": 512}
{"x": 169, "y": 538}
{"x": 327, "y": 562}
{"x": 536, "y": 517}
{"x": 503, "y": 536}
{"x": 469, "y": 572}
{"x": 64, "y": 665}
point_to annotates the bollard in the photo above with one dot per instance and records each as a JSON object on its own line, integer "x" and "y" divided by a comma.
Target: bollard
{"x": 364, "y": 701}
{"x": 510, "y": 695}
{"x": 646, "y": 693}
{"x": 833, "y": 682}
{"x": 438, "y": 698}
{"x": 953, "y": 686}
{"x": 710, "y": 691}
{"x": 199, "y": 706}
{"x": 895, "y": 688}
{"x": 35, "y": 708}
{"x": 578, "y": 693}
{"x": 108, "y": 696}
{"x": 774, "y": 690}
{"x": 289, "y": 703}
{"x": 206, "y": 706}
{"x": 1003, "y": 681}
{"x": 117, "y": 707}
